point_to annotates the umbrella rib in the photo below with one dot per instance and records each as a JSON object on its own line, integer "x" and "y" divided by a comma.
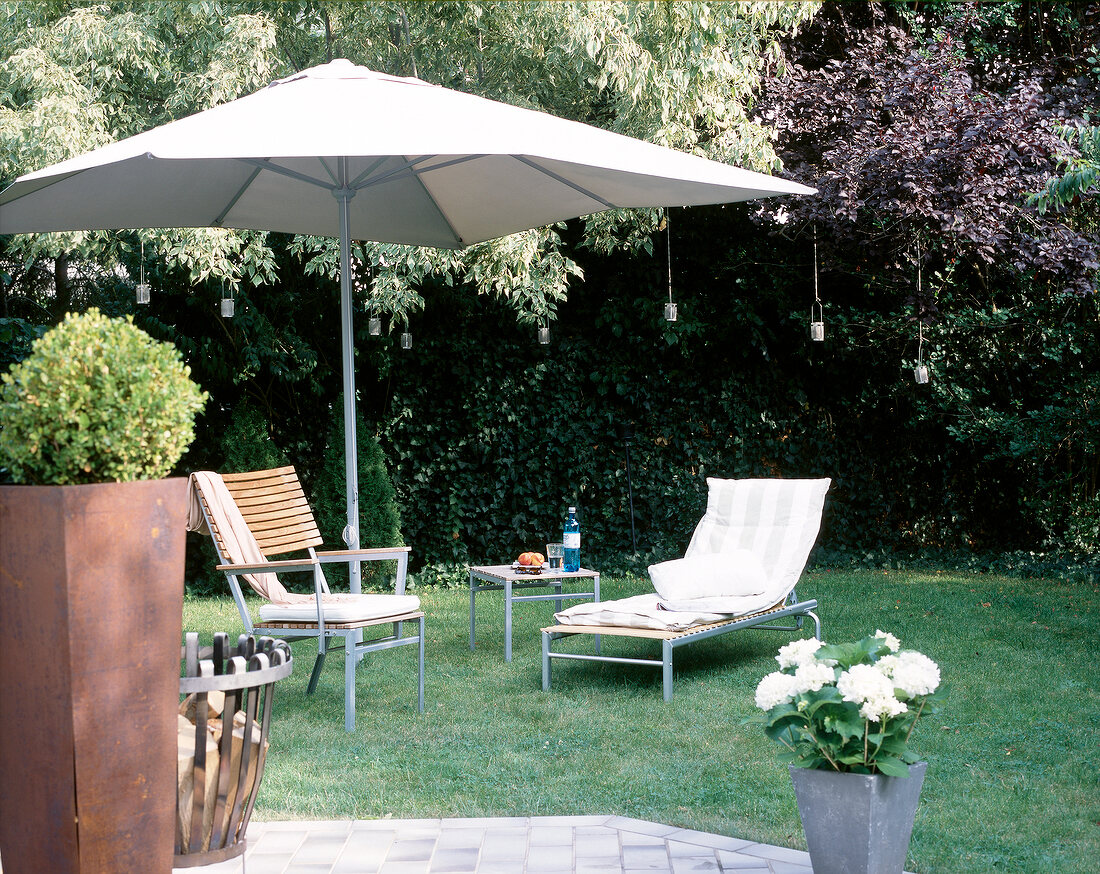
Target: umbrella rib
{"x": 266, "y": 164}
{"x": 408, "y": 167}
{"x": 233, "y": 201}
{"x": 431, "y": 199}
{"x": 355, "y": 182}
{"x": 336, "y": 182}
{"x": 607, "y": 204}
{"x": 450, "y": 163}
{"x": 49, "y": 183}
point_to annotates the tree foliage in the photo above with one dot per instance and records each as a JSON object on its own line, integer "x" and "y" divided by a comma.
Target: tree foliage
{"x": 926, "y": 133}
{"x": 1080, "y": 173}
{"x": 79, "y": 75}
{"x": 76, "y": 76}
{"x": 925, "y": 127}
{"x": 916, "y": 161}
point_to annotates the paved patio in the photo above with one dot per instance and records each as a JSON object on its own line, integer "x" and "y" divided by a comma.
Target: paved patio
{"x": 505, "y": 845}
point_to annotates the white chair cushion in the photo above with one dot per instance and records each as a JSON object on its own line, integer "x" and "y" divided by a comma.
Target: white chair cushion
{"x": 710, "y": 575}
{"x": 342, "y": 608}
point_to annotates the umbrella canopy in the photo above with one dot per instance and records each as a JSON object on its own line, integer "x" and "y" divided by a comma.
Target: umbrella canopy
{"x": 339, "y": 150}
{"x": 427, "y": 166}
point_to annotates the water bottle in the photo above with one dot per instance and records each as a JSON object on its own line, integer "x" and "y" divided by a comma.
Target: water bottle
{"x": 571, "y": 537}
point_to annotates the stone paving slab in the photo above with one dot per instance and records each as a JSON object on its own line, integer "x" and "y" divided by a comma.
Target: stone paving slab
{"x": 504, "y": 845}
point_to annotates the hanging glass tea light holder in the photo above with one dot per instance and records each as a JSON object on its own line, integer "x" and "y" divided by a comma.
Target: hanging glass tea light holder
{"x": 817, "y": 325}
{"x": 228, "y": 306}
{"x": 920, "y": 372}
{"x": 374, "y": 323}
{"x": 817, "y": 313}
{"x": 141, "y": 291}
{"x": 670, "y": 307}
{"x": 544, "y": 334}
{"x": 406, "y": 339}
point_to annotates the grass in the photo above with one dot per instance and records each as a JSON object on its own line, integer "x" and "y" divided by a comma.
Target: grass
{"x": 1014, "y": 759}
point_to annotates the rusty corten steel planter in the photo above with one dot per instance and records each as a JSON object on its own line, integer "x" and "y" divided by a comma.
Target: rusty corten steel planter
{"x": 91, "y": 603}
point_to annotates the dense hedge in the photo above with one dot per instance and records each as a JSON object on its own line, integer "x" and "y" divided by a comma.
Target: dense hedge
{"x": 490, "y": 435}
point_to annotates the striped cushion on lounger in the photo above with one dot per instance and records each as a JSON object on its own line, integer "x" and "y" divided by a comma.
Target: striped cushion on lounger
{"x": 777, "y": 519}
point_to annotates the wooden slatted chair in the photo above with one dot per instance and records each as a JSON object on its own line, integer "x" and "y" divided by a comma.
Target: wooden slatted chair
{"x": 255, "y": 516}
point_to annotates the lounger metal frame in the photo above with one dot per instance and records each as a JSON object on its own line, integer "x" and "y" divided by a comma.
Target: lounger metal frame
{"x": 673, "y": 640}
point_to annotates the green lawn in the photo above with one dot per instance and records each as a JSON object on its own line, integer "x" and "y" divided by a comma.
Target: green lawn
{"x": 1013, "y": 759}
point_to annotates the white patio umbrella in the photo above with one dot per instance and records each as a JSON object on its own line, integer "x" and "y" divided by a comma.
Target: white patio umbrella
{"x": 339, "y": 150}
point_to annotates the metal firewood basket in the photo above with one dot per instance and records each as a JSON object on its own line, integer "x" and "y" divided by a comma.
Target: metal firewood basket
{"x": 222, "y": 761}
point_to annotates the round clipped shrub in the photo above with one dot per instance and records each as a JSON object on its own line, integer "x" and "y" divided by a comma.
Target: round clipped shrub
{"x": 97, "y": 400}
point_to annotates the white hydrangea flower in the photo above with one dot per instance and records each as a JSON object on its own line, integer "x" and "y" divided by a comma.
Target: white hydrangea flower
{"x": 886, "y": 664}
{"x": 811, "y": 676}
{"x": 892, "y": 643}
{"x": 861, "y": 683}
{"x": 798, "y": 653}
{"x": 775, "y": 689}
{"x": 879, "y": 708}
{"x": 914, "y": 673}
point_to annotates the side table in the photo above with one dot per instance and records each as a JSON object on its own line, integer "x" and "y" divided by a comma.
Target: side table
{"x": 502, "y": 577}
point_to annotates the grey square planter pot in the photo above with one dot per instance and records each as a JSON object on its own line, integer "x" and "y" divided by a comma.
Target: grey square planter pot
{"x": 857, "y": 823}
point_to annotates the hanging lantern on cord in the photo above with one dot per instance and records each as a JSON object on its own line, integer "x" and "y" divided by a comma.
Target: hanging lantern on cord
{"x": 670, "y": 307}
{"x": 406, "y": 340}
{"x": 817, "y": 326}
{"x": 141, "y": 292}
{"x": 228, "y": 303}
{"x": 544, "y": 334}
{"x": 817, "y": 320}
{"x": 920, "y": 372}
{"x": 374, "y": 324}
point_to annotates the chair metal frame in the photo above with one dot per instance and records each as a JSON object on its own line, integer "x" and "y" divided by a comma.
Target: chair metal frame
{"x": 278, "y": 515}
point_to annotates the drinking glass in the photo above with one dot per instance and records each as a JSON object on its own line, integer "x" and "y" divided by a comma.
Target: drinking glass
{"x": 555, "y": 554}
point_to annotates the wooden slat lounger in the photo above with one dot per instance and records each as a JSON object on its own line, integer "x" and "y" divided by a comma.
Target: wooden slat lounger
{"x": 672, "y": 640}
{"x": 772, "y": 522}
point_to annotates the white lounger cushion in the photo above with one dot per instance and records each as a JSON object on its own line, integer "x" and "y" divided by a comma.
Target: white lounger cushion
{"x": 342, "y": 608}
{"x": 641, "y": 611}
{"x": 776, "y": 519}
{"x": 716, "y": 575}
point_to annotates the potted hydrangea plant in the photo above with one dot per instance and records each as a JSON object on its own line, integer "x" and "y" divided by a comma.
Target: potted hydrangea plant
{"x": 91, "y": 595}
{"x": 844, "y": 714}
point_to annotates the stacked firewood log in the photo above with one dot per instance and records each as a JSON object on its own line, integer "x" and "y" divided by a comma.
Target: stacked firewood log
{"x": 221, "y": 773}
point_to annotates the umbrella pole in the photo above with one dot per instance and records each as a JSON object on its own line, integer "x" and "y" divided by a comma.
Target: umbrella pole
{"x": 347, "y": 342}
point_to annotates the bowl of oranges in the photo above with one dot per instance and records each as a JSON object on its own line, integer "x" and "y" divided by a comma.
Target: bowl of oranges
{"x": 529, "y": 563}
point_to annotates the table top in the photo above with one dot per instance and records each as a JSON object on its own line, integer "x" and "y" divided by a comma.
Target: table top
{"x": 510, "y": 574}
